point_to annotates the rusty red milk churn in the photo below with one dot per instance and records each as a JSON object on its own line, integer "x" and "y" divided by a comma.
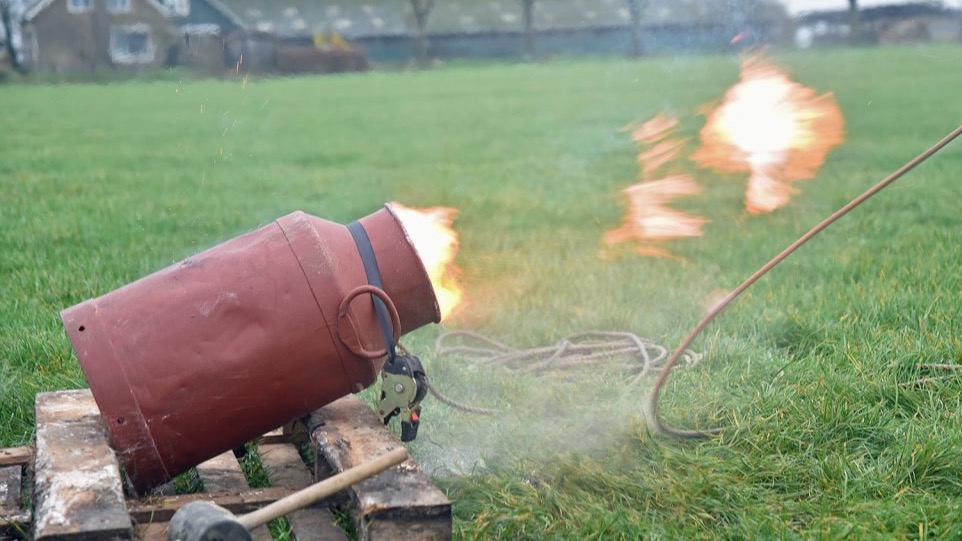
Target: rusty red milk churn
{"x": 202, "y": 356}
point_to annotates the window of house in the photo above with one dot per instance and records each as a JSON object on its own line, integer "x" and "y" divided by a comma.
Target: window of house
{"x": 118, "y": 6}
{"x": 80, "y": 6}
{"x": 131, "y": 44}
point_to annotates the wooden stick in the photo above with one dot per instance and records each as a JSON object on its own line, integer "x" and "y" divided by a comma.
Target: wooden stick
{"x": 943, "y": 366}
{"x": 162, "y": 508}
{"x": 923, "y": 381}
{"x": 323, "y": 489}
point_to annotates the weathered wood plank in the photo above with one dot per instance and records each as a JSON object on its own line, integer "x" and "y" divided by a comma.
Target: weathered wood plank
{"x": 10, "y": 484}
{"x": 285, "y": 468}
{"x": 224, "y": 474}
{"x": 161, "y": 509}
{"x": 15, "y": 526}
{"x": 399, "y": 504}
{"x": 77, "y": 484}
{"x": 16, "y": 456}
{"x": 12, "y": 515}
{"x": 156, "y": 531}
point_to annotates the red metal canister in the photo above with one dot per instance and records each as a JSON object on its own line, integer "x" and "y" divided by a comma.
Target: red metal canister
{"x": 213, "y": 351}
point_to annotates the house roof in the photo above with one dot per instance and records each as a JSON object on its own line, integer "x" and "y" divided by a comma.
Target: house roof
{"x": 35, "y": 8}
{"x": 208, "y": 11}
{"x": 226, "y": 12}
{"x": 364, "y": 18}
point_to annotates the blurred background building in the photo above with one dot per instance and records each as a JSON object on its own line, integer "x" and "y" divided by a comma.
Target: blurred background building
{"x": 302, "y": 36}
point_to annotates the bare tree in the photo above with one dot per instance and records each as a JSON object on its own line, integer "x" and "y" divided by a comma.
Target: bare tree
{"x": 9, "y": 10}
{"x": 422, "y": 8}
{"x": 854, "y": 22}
{"x": 636, "y": 8}
{"x": 527, "y": 16}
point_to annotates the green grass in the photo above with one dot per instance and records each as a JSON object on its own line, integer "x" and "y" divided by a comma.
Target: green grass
{"x": 102, "y": 184}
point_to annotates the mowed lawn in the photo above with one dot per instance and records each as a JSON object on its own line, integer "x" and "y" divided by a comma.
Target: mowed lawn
{"x": 816, "y": 368}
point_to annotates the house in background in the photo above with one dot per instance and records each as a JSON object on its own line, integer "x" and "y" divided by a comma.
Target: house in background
{"x": 290, "y": 37}
{"x": 204, "y": 35}
{"x": 89, "y": 35}
{"x": 385, "y": 29}
{"x": 11, "y": 46}
{"x": 298, "y": 36}
{"x": 203, "y": 27}
{"x": 886, "y": 24}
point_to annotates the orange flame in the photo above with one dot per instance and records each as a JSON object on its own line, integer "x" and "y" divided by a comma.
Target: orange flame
{"x": 649, "y": 219}
{"x": 772, "y": 127}
{"x": 659, "y": 155}
{"x": 436, "y": 242}
{"x": 654, "y": 130}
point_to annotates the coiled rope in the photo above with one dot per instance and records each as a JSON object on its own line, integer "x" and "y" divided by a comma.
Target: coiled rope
{"x": 637, "y": 357}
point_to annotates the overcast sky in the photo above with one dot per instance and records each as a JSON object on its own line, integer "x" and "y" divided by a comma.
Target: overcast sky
{"x": 798, "y": 6}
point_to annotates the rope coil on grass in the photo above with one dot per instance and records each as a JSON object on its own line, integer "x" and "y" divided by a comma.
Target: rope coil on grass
{"x": 638, "y": 357}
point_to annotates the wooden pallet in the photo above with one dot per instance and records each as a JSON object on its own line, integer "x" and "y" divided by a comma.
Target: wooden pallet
{"x": 13, "y": 515}
{"x": 78, "y": 492}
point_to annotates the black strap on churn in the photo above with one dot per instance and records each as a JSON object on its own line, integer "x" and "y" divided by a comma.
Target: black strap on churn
{"x": 373, "y": 273}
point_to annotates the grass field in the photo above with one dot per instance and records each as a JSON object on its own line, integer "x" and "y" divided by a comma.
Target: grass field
{"x": 102, "y": 184}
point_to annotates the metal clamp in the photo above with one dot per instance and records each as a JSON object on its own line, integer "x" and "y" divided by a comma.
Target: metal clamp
{"x": 403, "y": 387}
